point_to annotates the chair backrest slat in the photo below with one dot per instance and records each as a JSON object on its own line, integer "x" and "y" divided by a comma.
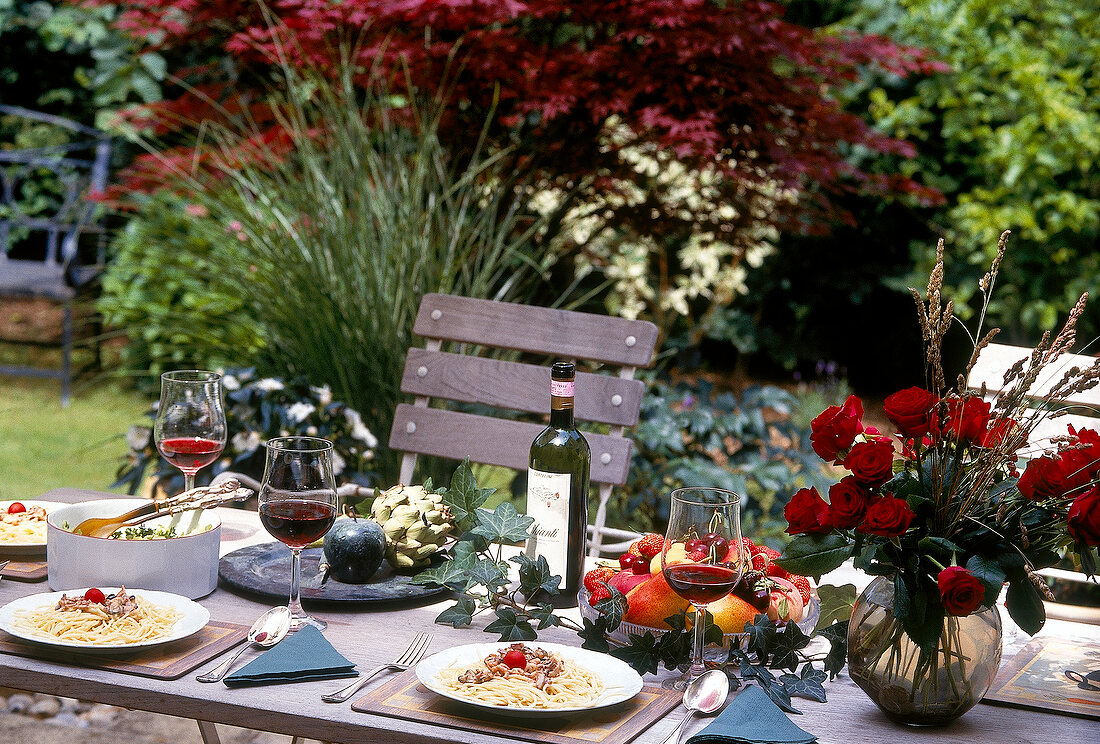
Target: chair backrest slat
{"x": 507, "y": 325}
{"x": 996, "y": 359}
{"x": 519, "y": 387}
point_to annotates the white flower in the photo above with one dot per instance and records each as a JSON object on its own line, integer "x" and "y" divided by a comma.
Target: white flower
{"x": 311, "y": 431}
{"x": 137, "y": 437}
{"x": 230, "y": 383}
{"x": 324, "y": 394}
{"x": 300, "y": 411}
{"x": 359, "y": 430}
{"x": 337, "y": 463}
{"x": 246, "y": 441}
{"x": 270, "y": 384}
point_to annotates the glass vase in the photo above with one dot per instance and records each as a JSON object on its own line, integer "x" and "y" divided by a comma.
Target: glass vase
{"x": 917, "y": 687}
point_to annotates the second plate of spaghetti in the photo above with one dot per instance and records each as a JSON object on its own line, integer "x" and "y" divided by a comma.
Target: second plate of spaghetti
{"x": 148, "y": 618}
{"x": 532, "y": 678}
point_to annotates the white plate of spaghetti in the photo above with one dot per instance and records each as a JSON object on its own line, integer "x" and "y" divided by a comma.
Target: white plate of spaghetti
{"x": 23, "y": 526}
{"x": 550, "y": 679}
{"x": 126, "y": 619}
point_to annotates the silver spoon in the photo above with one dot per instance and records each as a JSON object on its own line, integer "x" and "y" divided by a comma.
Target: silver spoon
{"x": 269, "y": 628}
{"x": 705, "y": 694}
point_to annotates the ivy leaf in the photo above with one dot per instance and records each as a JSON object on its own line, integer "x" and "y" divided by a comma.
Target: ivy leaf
{"x": 503, "y": 524}
{"x": 613, "y": 608}
{"x": 534, "y": 575}
{"x": 786, "y": 645}
{"x": 814, "y": 555}
{"x": 490, "y": 573}
{"x": 642, "y": 654}
{"x": 458, "y": 615}
{"x": 594, "y": 636}
{"x": 673, "y": 648}
{"x": 759, "y": 672}
{"x": 809, "y": 685}
{"x": 837, "y": 636}
{"x": 464, "y": 497}
{"x": 453, "y": 574}
{"x": 760, "y": 634}
{"x": 779, "y": 695}
{"x": 544, "y": 613}
{"x": 836, "y": 603}
{"x": 510, "y": 627}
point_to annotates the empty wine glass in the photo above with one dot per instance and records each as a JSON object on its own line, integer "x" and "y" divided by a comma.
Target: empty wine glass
{"x": 190, "y": 428}
{"x": 702, "y": 557}
{"x": 297, "y": 504}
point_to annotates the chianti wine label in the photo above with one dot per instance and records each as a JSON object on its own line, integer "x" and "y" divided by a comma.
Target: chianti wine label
{"x": 548, "y": 505}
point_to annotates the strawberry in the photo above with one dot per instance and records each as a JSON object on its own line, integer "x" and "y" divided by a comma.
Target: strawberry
{"x": 650, "y": 545}
{"x": 760, "y": 563}
{"x": 635, "y": 548}
{"x": 747, "y": 546}
{"x": 803, "y": 585}
{"x": 771, "y": 553}
{"x": 776, "y": 571}
{"x": 596, "y": 576}
{"x": 600, "y": 592}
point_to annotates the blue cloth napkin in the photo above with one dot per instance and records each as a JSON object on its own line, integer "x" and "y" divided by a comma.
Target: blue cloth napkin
{"x": 304, "y": 655}
{"x": 752, "y": 718}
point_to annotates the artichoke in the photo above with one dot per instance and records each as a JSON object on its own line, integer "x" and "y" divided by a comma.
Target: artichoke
{"x": 416, "y": 523}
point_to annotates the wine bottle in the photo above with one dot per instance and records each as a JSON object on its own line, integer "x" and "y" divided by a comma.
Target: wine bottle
{"x": 557, "y": 490}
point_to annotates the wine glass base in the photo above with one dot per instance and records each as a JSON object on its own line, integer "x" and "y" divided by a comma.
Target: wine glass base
{"x": 677, "y": 683}
{"x": 300, "y": 621}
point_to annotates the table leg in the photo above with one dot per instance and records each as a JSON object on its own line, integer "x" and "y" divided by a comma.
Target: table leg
{"x": 208, "y": 732}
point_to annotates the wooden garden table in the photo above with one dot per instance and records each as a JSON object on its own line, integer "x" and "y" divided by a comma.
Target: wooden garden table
{"x": 372, "y": 637}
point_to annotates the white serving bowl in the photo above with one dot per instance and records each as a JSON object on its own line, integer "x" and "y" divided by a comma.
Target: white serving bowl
{"x": 181, "y": 565}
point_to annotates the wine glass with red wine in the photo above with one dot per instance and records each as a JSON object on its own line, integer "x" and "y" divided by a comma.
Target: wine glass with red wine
{"x": 298, "y": 505}
{"x": 702, "y": 557}
{"x": 190, "y": 426}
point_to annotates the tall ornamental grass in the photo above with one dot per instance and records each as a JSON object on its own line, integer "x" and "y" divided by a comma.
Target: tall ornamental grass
{"x": 349, "y": 216}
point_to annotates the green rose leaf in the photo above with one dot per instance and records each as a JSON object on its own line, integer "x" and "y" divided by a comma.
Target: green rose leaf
{"x": 1025, "y": 606}
{"x": 814, "y": 555}
{"x": 990, "y": 573}
{"x": 503, "y": 524}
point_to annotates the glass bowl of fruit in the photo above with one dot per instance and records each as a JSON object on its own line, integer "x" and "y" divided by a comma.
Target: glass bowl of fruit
{"x": 764, "y": 589}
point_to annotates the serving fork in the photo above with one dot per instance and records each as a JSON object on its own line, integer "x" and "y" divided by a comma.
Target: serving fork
{"x": 413, "y": 654}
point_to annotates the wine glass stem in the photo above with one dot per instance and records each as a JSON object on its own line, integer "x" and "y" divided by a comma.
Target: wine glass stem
{"x": 296, "y": 610}
{"x": 697, "y": 666}
{"x": 188, "y": 481}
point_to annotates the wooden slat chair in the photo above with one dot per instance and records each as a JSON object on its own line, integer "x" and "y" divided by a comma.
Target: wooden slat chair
{"x": 432, "y": 374}
{"x": 994, "y": 361}
{"x": 52, "y": 235}
{"x": 1084, "y": 407}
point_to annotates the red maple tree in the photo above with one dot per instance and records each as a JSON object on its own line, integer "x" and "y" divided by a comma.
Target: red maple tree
{"x": 718, "y": 83}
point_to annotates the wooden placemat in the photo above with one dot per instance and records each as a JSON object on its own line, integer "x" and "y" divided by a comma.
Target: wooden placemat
{"x": 23, "y": 570}
{"x": 404, "y": 697}
{"x": 170, "y": 661}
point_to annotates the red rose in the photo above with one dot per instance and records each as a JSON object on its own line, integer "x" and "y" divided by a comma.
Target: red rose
{"x": 806, "y": 512}
{"x": 966, "y": 419}
{"x": 1081, "y": 460}
{"x": 1084, "y": 517}
{"x": 1003, "y": 431}
{"x": 847, "y": 503}
{"x": 836, "y": 428}
{"x": 910, "y": 410}
{"x": 872, "y": 463}
{"x": 888, "y": 517}
{"x": 960, "y": 591}
{"x": 1044, "y": 478}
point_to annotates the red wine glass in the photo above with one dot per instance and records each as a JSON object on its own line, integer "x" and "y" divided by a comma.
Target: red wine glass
{"x": 702, "y": 557}
{"x": 190, "y": 428}
{"x": 298, "y": 505}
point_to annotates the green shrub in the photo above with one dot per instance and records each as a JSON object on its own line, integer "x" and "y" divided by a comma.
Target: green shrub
{"x": 163, "y": 288}
{"x": 689, "y": 434}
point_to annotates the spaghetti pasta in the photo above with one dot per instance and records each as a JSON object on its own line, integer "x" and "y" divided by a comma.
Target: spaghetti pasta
{"x": 546, "y": 681}
{"x": 23, "y": 528}
{"x": 122, "y": 619}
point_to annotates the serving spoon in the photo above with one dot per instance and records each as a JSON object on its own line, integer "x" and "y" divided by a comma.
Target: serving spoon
{"x": 203, "y": 497}
{"x": 705, "y": 694}
{"x": 269, "y": 628}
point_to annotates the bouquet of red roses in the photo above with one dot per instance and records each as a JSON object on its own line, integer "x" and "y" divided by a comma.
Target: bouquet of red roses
{"x": 940, "y": 505}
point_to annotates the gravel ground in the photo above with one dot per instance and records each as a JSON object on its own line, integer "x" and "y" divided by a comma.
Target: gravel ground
{"x": 45, "y": 719}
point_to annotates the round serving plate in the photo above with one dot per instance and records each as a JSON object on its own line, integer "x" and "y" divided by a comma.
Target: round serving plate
{"x": 265, "y": 570}
{"x": 26, "y": 548}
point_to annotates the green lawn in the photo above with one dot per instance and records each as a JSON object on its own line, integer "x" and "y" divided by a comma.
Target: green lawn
{"x": 45, "y": 446}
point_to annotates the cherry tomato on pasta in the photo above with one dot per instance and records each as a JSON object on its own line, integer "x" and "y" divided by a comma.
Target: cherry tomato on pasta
{"x": 94, "y": 595}
{"x": 515, "y": 659}
{"x": 16, "y": 508}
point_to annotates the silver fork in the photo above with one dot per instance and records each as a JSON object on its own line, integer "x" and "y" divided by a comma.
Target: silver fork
{"x": 413, "y": 654}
